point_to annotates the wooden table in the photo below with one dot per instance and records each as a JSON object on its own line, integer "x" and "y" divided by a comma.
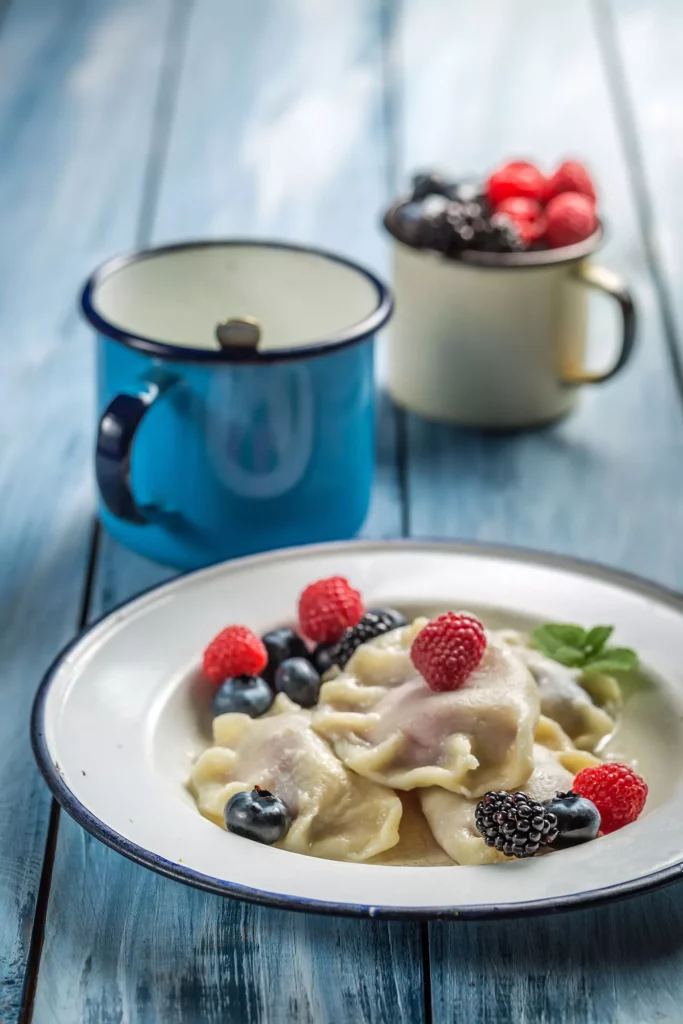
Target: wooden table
{"x": 126, "y": 122}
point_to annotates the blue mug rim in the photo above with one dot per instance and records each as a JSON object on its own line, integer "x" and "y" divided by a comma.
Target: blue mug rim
{"x": 184, "y": 353}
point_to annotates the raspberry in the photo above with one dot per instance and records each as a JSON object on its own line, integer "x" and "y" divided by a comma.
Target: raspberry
{"x": 448, "y": 649}
{"x": 571, "y": 176}
{"x": 236, "y": 651}
{"x": 327, "y": 608}
{"x": 531, "y": 231}
{"x": 527, "y": 216}
{"x": 617, "y": 792}
{"x": 520, "y": 208}
{"x": 571, "y": 218}
{"x": 517, "y": 178}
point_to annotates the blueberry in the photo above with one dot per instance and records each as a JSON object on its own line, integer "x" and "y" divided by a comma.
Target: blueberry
{"x": 281, "y": 643}
{"x": 406, "y": 223}
{"x": 259, "y": 815}
{"x": 249, "y": 695}
{"x": 390, "y": 615}
{"x": 578, "y": 819}
{"x": 323, "y": 658}
{"x": 297, "y": 678}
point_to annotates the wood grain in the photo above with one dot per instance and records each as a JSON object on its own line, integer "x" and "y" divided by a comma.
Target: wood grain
{"x": 592, "y": 486}
{"x": 283, "y": 126}
{"x": 618, "y": 963}
{"x": 639, "y": 43}
{"x": 606, "y": 484}
{"x": 278, "y": 131}
{"x": 71, "y": 77}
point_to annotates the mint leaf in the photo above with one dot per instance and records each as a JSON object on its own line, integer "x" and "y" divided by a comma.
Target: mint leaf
{"x": 574, "y": 647}
{"x": 569, "y": 656}
{"x": 597, "y": 638}
{"x": 558, "y": 634}
{"x": 567, "y": 634}
{"x": 557, "y": 637}
{"x": 611, "y": 660}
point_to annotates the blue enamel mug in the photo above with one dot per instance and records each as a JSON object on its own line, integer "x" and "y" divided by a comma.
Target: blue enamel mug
{"x": 236, "y": 397}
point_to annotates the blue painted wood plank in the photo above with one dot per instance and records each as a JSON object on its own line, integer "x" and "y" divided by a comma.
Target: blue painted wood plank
{"x": 606, "y": 483}
{"x": 619, "y": 963}
{"x": 67, "y": 198}
{"x": 262, "y": 87}
{"x": 639, "y": 42}
{"x": 492, "y": 82}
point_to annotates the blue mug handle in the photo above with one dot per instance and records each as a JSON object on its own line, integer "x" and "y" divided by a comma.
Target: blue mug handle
{"x": 115, "y": 435}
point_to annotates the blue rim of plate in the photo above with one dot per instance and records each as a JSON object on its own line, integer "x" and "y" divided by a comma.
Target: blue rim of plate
{"x": 352, "y": 335}
{"x": 181, "y": 873}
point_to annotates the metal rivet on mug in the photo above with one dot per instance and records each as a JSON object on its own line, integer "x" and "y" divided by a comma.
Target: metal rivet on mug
{"x": 239, "y": 332}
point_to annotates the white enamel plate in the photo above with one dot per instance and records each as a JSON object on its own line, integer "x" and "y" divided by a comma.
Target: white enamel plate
{"x": 123, "y": 712}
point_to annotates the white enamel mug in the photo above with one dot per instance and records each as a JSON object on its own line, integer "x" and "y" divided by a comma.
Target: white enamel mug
{"x": 497, "y": 341}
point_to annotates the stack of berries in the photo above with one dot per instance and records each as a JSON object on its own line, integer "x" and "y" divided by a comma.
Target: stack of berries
{"x": 516, "y": 209}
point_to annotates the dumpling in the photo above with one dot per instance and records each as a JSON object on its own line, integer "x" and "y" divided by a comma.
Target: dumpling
{"x": 386, "y": 724}
{"x": 417, "y": 847}
{"x": 562, "y": 697}
{"x": 603, "y": 690}
{"x": 336, "y": 814}
{"x": 451, "y": 816}
{"x": 551, "y": 735}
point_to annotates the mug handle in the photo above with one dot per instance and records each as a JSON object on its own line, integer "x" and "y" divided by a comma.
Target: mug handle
{"x": 607, "y": 281}
{"x": 116, "y": 431}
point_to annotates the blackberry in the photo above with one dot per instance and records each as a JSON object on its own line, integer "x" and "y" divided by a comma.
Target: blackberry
{"x": 371, "y": 625}
{"x": 448, "y": 225}
{"x": 390, "y": 615}
{"x": 505, "y": 236}
{"x": 471, "y": 227}
{"x": 470, "y": 192}
{"x": 476, "y": 230}
{"x": 436, "y": 230}
{"x": 431, "y": 183}
{"x": 515, "y": 824}
{"x": 456, "y": 226}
